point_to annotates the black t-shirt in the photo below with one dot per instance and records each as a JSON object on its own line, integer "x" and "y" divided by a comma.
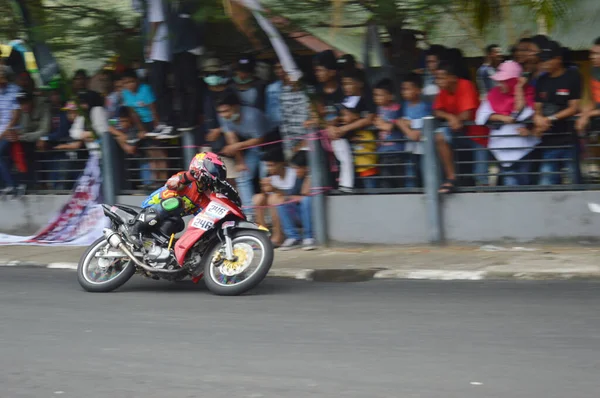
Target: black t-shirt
{"x": 331, "y": 101}
{"x": 91, "y": 98}
{"x": 554, "y": 93}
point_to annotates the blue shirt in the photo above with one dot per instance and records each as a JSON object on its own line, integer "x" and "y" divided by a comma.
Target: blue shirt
{"x": 140, "y": 101}
{"x": 415, "y": 113}
{"x": 390, "y": 114}
{"x": 251, "y": 124}
{"x": 60, "y": 125}
{"x": 273, "y": 103}
{"x": 8, "y": 104}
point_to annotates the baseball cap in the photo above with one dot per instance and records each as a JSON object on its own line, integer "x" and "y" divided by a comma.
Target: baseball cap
{"x": 550, "y": 51}
{"x": 326, "y": 59}
{"x": 346, "y": 61}
{"x": 23, "y": 96}
{"x": 211, "y": 65}
{"x": 507, "y": 70}
{"x": 245, "y": 64}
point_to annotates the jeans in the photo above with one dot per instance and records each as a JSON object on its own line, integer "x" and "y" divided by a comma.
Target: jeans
{"x": 481, "y": 158}
{"x": 369, "y": 183}
{"x": 186, "y": 75}
{"x": 158, "y": 80}
{"x": 245, "y": 179}
{"x": 568, "y": 157}
{"x": 413, "y": 171}
{"x": 516, "y": 174}
{"x": 5, "y": 173}
{"x": 391, "y": 169}
{"x": 288, "y": 215}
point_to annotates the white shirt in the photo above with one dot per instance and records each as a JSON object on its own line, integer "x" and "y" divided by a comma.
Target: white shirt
{"x": 99, "y": 125}
{"x": 161, "y": 50}
{"x": 505, "y": 143}
{"x": 287, "y": 182}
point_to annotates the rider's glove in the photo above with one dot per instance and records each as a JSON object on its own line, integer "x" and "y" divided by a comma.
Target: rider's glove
{"x": 178, "y": 182}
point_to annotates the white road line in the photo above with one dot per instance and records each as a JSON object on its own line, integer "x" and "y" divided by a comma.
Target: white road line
{"x": 72, "y": 266}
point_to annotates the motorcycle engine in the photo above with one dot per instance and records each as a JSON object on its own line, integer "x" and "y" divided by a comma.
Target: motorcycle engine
{"x": 157, "y": 256}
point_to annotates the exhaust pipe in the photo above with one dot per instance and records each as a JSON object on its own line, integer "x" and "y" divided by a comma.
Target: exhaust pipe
{"x": 115, "y": 241}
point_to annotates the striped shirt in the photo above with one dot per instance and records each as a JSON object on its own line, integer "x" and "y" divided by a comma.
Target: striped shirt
{"x": 8, "y": 104}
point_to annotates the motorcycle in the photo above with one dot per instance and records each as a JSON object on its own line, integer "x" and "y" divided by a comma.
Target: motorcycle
{"x": 231, "y": 254}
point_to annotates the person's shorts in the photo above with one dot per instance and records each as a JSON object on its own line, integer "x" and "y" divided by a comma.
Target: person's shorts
{"x": 446, "y": 133}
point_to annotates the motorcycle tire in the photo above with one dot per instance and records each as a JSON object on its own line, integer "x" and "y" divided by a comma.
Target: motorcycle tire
{"x": 252, "y": 281}
{"x": 104, "y": 287}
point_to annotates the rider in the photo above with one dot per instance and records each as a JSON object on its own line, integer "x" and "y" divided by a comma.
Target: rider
{"x": 181, "y": 195}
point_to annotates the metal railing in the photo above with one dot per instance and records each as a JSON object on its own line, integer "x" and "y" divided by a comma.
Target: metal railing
{"x": 56, "y": 171}
{"x": 543, "y": 168}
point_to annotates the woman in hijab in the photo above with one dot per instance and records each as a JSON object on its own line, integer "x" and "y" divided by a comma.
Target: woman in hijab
{"x": 506, "y": 108}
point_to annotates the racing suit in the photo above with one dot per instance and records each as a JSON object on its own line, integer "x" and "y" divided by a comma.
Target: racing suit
{"x": 182, "y": 195}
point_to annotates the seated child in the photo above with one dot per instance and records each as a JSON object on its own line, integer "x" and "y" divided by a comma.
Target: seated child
{"x": 364, "y": 146}
{"x": 391, "y": 145}
{"x": 411, "y": 125}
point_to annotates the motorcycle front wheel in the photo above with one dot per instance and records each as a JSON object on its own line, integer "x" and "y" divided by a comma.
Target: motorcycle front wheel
{"x": 254, "y": 255}
{"x": 96, "y": 274}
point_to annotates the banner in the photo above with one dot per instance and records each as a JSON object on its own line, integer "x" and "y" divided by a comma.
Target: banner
{"x": 80, "y": 221}
{"x": 47, "y": 65}
{"x": 281, "y": 49}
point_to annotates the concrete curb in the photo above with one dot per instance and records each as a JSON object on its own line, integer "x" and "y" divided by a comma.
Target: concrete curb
{"x": 366, "y": 274}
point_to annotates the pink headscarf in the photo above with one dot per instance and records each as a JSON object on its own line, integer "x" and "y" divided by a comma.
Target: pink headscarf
{"x": 504, "y": 103}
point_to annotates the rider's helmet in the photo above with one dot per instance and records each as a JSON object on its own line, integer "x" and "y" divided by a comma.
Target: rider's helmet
{"x": 207, "y": 168}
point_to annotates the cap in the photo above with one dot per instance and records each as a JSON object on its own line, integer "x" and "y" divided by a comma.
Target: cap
{"x": 550, "y": 51}
{"x": 346, "y": 61}
{"x": 70, "y": 106}
{"x": 245, "y": 64}
{"x": 507, "y": 70}
{"x": 326, "y": 59}
{"x": 211, "y": 65}
{"x": 24, "y": 96}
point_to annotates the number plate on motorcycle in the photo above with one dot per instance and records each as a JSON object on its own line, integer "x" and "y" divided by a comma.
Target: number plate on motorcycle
{"x": 214, "y": 210}
{"x": 202, "y": 222}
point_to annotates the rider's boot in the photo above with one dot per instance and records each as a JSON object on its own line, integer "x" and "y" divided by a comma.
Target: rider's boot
{"x": 147, "y": 218}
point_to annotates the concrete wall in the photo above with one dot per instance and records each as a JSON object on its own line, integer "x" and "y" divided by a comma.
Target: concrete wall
{"x": 474, "y": 217}
{"x": 401, "y": 219}
{"x": 29, "y": 214}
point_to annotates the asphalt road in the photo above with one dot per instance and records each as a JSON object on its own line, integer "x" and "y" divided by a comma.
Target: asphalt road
{"x": 298, "y": 339}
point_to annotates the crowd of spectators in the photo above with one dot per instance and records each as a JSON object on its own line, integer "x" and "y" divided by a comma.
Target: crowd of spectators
{"x": 520, "y": 119}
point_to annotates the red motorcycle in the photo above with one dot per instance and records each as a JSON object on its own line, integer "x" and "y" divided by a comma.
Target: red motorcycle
{"x": 220, "y": 245}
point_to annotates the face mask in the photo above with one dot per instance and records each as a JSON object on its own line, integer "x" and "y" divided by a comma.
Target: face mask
{"x": 141, "y": 73}
{"x": 214, "y": 80}
{"x": 245, "y": 81}
{"x": 235, "y": 117}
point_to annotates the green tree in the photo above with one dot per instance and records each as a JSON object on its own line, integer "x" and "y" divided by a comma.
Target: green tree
{"x": 484, "y": 12}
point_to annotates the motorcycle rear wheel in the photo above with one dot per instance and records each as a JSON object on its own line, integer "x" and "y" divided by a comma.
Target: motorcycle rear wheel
{"x": 223, "y": 285}
{"x": 127, "y": 269}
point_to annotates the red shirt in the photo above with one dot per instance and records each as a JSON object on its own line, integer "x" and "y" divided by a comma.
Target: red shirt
{"x": 464, "y": 98}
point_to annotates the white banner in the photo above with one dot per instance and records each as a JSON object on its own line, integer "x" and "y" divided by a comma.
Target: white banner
{"x": 282, "y": 50}
{"x": 80, "y": 221}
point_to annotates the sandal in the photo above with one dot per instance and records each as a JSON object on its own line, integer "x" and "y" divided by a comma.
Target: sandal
{"x": 448, "y": 187}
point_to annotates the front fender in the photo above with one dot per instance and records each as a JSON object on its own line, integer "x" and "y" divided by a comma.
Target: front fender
{"x": 245, "y": 225}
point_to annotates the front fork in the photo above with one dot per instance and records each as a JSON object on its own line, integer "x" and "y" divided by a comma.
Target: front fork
{"x": 229, "y": 256}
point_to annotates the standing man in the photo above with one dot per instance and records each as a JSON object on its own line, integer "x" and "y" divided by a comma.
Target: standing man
{"x": 187, "y": 45}
{"x": 158, "y": 55}
{"x": 558, "y": 93}
{"x": 9, "y": 117}
{"x": 493, "y": 58}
